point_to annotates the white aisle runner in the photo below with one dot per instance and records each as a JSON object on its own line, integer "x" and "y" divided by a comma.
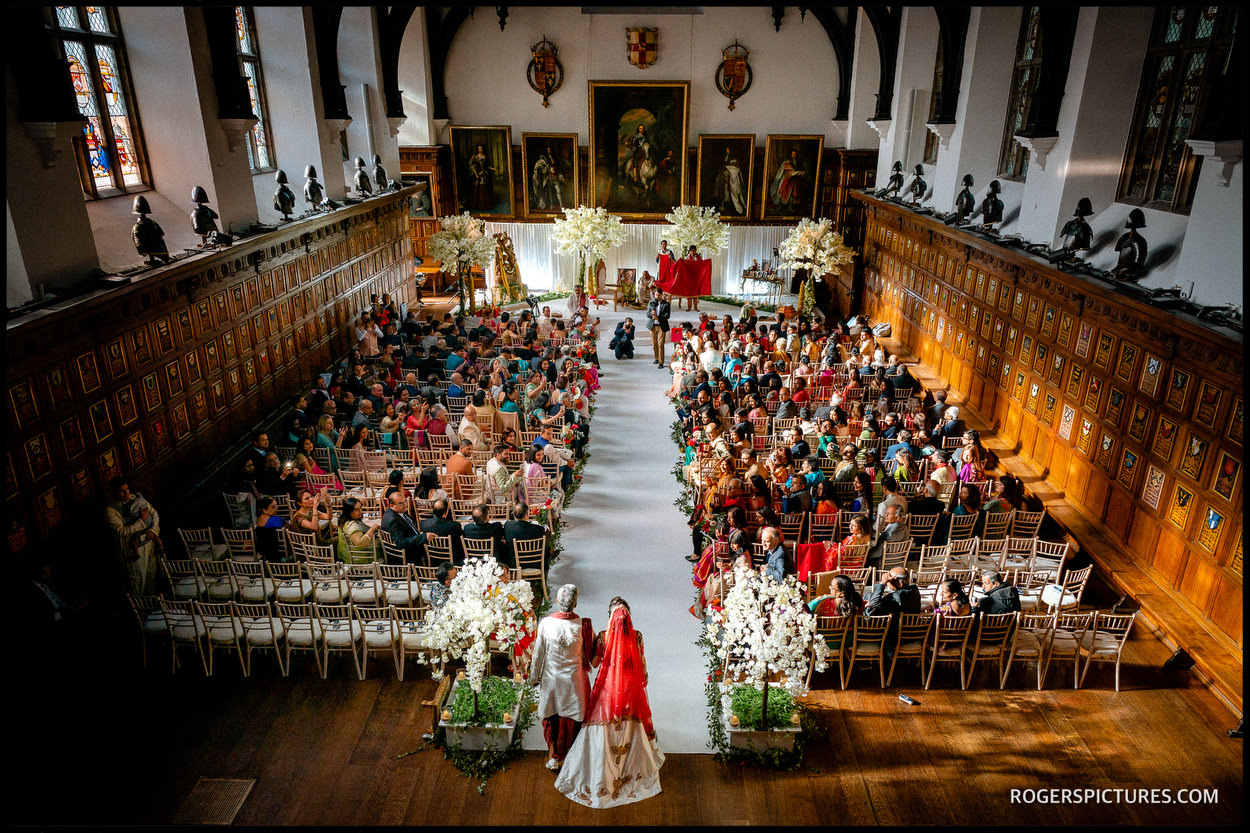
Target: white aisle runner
{"x": 626, "y": 538}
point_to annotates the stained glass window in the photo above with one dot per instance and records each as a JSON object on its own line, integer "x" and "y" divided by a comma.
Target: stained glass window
{"x": 259, "y": 151}
{"x": 1013, "y": 159}
{"x": 1188, "y": 46}
{"x": 92, "y": 47}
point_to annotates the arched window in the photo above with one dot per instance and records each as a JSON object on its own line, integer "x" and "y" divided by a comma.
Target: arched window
{"x": 259, "y": 149}
{"x": 1013, "y": 159}
{"x": 1188, "y": 46}
{"x": 110, "y": 153}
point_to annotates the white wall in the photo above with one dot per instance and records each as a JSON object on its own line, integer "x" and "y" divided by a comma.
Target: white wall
{"x": 865, "y": 80}
{"x": 369, "y": 132}
{"x": 917, "y": 52}
{"x": 414, "y": 83}
{"x": 1212, "y": 252}
{"x": 794, "y": 88}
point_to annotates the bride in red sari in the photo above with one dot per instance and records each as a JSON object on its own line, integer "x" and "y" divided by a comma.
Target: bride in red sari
{"x": 615, "y": 759}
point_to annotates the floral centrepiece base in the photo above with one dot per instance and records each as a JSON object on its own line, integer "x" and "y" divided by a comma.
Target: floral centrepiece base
{"x": 493, "y": 733}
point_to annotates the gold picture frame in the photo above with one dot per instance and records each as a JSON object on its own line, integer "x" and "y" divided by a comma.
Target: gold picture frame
{"x": 719, "y": 164}
{"x": 636, "y": 129}
{"x": 481, "y": 169}
{"x": 791, "y": 162}
{"x": 546, "y": 175}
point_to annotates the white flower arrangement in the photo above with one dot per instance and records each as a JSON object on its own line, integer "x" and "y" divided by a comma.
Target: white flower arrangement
{"x": 462, "y": 241}
{"x": 814, "y": 245}
{"x": 460, "y": 244}
{"x": 588, "y": 233}
{"x": 764, "y": 628}
{"x": 699, "y": 227}
{"x": 479, "y": 606}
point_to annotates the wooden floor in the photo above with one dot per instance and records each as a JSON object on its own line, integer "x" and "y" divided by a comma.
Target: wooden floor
{"x": 104, "y": 742}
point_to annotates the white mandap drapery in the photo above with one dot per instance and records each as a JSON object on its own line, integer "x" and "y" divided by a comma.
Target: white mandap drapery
{"x": 543, "y": 270}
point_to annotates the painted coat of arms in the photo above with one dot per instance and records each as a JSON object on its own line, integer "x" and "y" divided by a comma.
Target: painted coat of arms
{"x": 641, "y": 46}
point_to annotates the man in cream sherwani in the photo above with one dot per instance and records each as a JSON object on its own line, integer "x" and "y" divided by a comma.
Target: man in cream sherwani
{"x": 471, "y": 431}
{"x": 560, "y": 668}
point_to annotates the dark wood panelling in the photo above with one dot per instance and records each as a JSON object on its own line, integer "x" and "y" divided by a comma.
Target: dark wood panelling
{"x": 141, "y": 405}
{"x": 1157, "y": 398}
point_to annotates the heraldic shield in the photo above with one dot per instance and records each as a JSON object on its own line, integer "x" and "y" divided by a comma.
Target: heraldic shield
{"x": 642, "y": 46}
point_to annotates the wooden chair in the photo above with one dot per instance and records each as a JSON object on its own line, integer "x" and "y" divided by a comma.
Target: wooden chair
{"x": 1018, "y": 554}
{"x": 990, "y": 555}
{"x": 1025, "y": 524}
{"x": 462, "y": 510}
{"x": 250, "y": 582}
{"x": 861, "y": 577}
{"x": 822, "y": 527}
{"x": 1029, "y": 643}
{"x": 218, "y": 580}
{"x": 184, "y": 582}
{"x": 950, "y": 641}
{"x": 329, "y": 586}
{"x": 852, "y": 557}
{"x": 961, "y": 527}
{"x": 222, "y": 628}
{"x": 412, "y": 638}
{"x": 290, "y": 582}
{"x": 303, "y": 633}
{"x": 844, "y": 522}
{"x": 792, "y": 527}
{"x": 438, "y": 549}
{"x": 895, "y": 554}
{"x": 342, "y": 633}
{"x": 363, "y": 587}
{"x": 993, "y": 631}
{"x": 479, "y": 548}
{"x": 151, "y": 621}
{"x": 933, "y": 559}
{"x": 241, "y": 509}
{"x": 241, "y": 542}
{"x": 1066, "y": 596}
{"x": 835, "y": 630}
{"x": 1104, "y": 641}
{"x": 354, "y": 482}
{"x": 399, "y": 585}
{"x": 1029, "y": 586}
{"x": 183, "y": 628}
{"x": 1069, "y": 631}
{"x": 362, "y": 555}
{"x": 868, "y": 642}
{"x": 961, "y": 554}
{"x": 912, "y": 641}
{"x": 818, "y": 584}
{"x": 531, "y": 560}
{"x": 200, "y": 546}
{"x": 262, "y": 631}
{"x": 996, "y": 525}
{"x": 1049, "y": 556}
{"x": 927, "y": 582}
{"x": 376, "y": 460}
{"x": 381, "y": 635}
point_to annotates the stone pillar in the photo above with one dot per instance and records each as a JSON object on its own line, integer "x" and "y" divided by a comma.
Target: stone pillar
{"x": 414, "y": 70}
{"x": 360, "y": 64}
{"x": 989, "y": 55}
{"x": 864, "y": 80}
{"x": 913, "y": 78}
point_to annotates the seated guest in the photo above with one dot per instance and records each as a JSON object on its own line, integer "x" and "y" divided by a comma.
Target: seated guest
{"x": 312, "y": 516}
{"x": 437, "y": 591}
{"x": 439, "y": 524}
{"x": 799, "y": 447}
{"x": 778, "y": 564}
{"x": 891, "y": 529}
{"x": 275, "y": 479}
{"x": 841, "y": 600}
{"x": 944, "y": 472}
{"x": 798, "y": 496}
{"x": 403, "y": 530}
{"x": 927, "y": 502}
{"x": 892, "y": 595}
{"x": 1000, "y": 597}
{"x": 461, "y": 462}
{"x": 471, "y": 431}
{"x": 482, "y": 528}
{"x": 353, "y": 533}
{"x": 265, "y": 533}
{"x": 544, "y": 440}
{"x": 951, "y": 599}
{"x": 520, "y": 528}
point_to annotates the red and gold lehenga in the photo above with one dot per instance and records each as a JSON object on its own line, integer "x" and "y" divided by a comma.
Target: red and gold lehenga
{"x": 615, "y": 759}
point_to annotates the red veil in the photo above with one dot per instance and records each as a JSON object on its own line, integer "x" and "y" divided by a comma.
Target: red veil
{"x": 620, "y": 691}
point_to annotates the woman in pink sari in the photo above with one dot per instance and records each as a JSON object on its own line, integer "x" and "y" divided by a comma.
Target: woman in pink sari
{"x": 615, "y": 759}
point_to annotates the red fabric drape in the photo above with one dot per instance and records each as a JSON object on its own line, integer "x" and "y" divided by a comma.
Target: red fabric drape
{"x": 685, "y": 277}
{"x": 620, "y": 691}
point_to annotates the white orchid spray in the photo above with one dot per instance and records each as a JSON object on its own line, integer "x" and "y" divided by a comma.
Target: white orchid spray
{"x": 814, "y": 245}
{"x": 764, "y": 628}
{"x": 461, "y": 244}
{"x": 480, "y": 606}
{"x": 699, "y": 227}
{"x": 587, "y": 233}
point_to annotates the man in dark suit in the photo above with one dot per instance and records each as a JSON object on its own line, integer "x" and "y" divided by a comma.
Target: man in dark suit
{"x": 952, "y": 425}
{"x": 902, "y": 380}
{"x": 403, "y": 529}
{"x": 658, "y": 312}
{"x": 999, "y": 597}
{"x": 927, "y": 503}
{"x": 903, "y": 443}
{"x": 893, "y": 595}
{"x": 520, "y": 528}
{"x": 624, "y": 338}
{"x": 933, "y": 416}
{"x": 482, "y": 528}
{"x": 440, "y": 524}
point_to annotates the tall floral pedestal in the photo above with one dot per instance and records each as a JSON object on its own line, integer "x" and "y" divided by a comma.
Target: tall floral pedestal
{"x": 494, "y": 736}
